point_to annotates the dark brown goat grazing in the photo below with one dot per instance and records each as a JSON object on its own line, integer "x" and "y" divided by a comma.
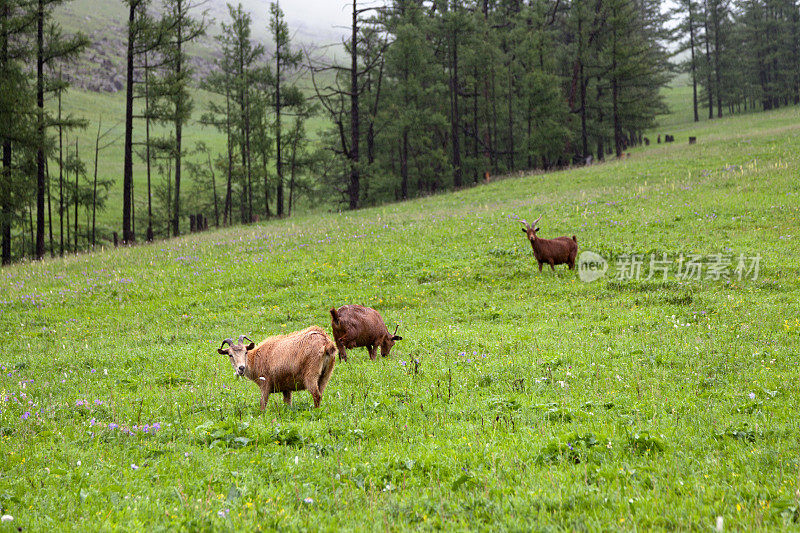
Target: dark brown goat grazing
{"x": 558, "y": 251}
{"x": 355, "y": 326}
{"x": 302, "y": 360}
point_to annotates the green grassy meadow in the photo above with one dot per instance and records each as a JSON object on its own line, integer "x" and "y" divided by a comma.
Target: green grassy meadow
{"x": 516, "y": 401}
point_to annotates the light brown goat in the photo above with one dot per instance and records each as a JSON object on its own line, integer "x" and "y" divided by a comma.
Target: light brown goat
{"x": 302, "y": 360}
{"x": 558, "y": 251}
{"x": 355, "y": 326}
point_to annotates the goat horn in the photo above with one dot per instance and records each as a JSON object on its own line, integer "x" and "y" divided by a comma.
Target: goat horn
{"x": 395, "y": 330}
{"x": 242, "y": 337}
{"x": 525, "y": 224}
{"x": 536, "y": 221}
{"x": 229, "y": 341}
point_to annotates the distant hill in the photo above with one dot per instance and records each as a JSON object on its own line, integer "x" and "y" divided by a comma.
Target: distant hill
{"x": 102, "y": 68}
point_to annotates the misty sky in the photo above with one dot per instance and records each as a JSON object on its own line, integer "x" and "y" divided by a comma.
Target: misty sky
{"x": 321, "y": 13}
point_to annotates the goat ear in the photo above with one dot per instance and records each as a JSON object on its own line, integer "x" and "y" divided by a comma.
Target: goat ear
{"x": 251, "y": 346}
{"x": 524, "y": 231}
{"x": 397, "y": 338}
{"x": 223, "y": 351}
{"x": 537, "y": 229}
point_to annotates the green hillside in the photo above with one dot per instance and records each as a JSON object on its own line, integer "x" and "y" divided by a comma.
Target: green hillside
{"x": 516, "y": 400}
{"x": 105, "y": 23}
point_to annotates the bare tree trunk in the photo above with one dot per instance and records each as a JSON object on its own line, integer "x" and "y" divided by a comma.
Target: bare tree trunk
{"x": 355, "y": 136}
{"x": 475, "y": 143}
{"x": 510, "y": 118}
{"x": 455, "y": 118}
{"x": 278, "y": 162}
{"x": 248, "y": 156}
{"x": 94, "y": 185}
{"x": 66, "y": 203}
{"x": 293, "y": 164}
{"x": 708, "y": 63}
{"x": 149, "y": 234}
{"x": 717, "y": 67}
{"x": 493, "y": 134}
{"x": 581, "y": 73}
{"x": 176, "y": 221}
{"x": 77, "y": 198}
{"x": 227, "y": 215}
{"x": 265, "y": 172}
{"x": 404, "y": 167}
{"x": 6, "y": 201}
{"x": 128, "y": 235}
{"x": 40, "y": 130}
{"x": 60, "y": 177}
{"x": 213, "y": 188}
{"x": 615, "y": 95}
{"x": 49, "y": 208}
{"x": 5, "y": 216}
{"x": 694, "y": 65}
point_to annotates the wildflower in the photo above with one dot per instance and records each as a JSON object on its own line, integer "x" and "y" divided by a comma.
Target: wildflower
{"x": 309, "y": 501}
{"x": 223, "y": 513}
{"x": 79, "y": 403}
{"x": 156, "y": 426}
{"x": 134, "y": 467}
{"x": 6, "y": 518}
{"x": 752, "y": 395}
{"x": 113, "y": 425}
{"x": 93, "y": 421}
{"x": 25, "y": 415}
{"x": 93, "y": 371}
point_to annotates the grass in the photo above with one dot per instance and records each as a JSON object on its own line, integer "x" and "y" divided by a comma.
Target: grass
{"x": 516, "y": 400}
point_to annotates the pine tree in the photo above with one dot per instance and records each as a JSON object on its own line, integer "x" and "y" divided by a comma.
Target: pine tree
{"x": 51, "y": 46}
{"x": 286, "y": 61}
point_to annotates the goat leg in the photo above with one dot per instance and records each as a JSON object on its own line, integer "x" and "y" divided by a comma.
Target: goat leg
{"x": 266, "y": 389}
{"x": 342, "y": 351}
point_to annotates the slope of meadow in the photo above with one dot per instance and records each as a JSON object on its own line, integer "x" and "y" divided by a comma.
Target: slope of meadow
{"x": 517, "y": 400}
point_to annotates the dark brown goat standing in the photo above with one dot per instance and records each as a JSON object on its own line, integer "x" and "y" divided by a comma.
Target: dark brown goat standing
{"x": 355, "y": 326}
{"x": 558, "y": 251}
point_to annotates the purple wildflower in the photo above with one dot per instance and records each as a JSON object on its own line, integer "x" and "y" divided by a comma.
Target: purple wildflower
{"x": 25, "y": 415}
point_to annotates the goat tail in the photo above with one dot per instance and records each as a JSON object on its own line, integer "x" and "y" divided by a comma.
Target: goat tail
{"x": 574, "y": 238}
{"x": 330, "y": 349}
{"x": 328, "y": 358}
{"x": 334, "y": 315}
